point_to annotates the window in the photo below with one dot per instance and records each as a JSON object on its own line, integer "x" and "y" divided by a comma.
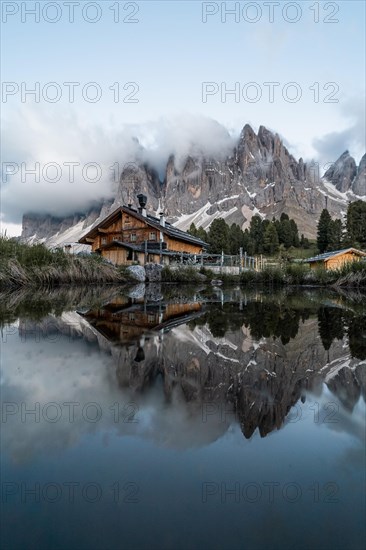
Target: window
{"x": 152, "y": 236}
{"x": 133, "y": 237}
{"x": 104, "y": 240}
{"x": 127, "y": 220}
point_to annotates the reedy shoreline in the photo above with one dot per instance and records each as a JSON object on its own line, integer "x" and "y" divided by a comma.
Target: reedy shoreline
{"x": 35, "y": 266}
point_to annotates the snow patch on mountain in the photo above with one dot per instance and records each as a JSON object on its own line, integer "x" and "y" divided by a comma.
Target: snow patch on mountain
{"x": 201, "y": 218}
{"x": 70, "y": 237}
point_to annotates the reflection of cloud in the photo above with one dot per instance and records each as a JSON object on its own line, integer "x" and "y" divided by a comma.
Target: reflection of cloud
{"x": 44, "y": 372}
{"x": 35, "y": 374}
{"x": 331, "y": 414}
{"x": 353, "y": 459}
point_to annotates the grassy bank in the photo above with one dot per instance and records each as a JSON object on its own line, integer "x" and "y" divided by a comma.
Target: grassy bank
{"x": 35, "y": 265}
{"x": 23, "y": 265}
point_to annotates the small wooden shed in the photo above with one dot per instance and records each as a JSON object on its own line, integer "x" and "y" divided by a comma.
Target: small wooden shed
{"x": 336, "y": 258}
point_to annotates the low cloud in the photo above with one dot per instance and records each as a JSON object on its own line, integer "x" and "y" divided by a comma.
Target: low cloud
{"x": 60, "y": 188}
{"x": 330, "y": 146}
{"x": 47, "y": 145}
{"x": 56, "y": 141}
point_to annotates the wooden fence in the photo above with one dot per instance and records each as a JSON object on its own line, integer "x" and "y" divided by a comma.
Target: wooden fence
{"x": 220, "y": 262}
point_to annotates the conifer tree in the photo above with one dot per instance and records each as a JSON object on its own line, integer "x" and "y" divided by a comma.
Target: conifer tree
{"x": 236, "y": 238}
{"x": 256, "y": 233}
{"x": 356, "y": 223}
{"x": 335, "y": 231}
{"x": 322, "y": 239}
{"x": 218, "y": 236}
{"x": 192, "y": 230}
{"x": 270, "y": 239}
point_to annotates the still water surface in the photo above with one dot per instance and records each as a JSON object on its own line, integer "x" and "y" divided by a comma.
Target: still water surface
{"x": 165, "y": 418}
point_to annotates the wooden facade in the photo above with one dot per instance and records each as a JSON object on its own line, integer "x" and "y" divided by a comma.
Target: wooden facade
{"x": 336, "y": 259}
{"x": 129, "y": 236}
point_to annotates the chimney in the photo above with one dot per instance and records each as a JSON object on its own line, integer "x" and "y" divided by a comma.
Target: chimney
{"x": 142, "y": 204}
{"x": 162, "y": 219}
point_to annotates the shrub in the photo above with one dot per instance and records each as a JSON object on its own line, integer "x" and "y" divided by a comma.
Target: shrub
{"x": 31, "y": 255}
{"x": 180, "y": 275}
{"x": 208, "y": 273}
{"x": 248, "y": 277}
{"x": 272, "y": 275}
{"x": 296, "y": 273}
{"x": 323, "y": 276}
{"x": 228, "y": 279}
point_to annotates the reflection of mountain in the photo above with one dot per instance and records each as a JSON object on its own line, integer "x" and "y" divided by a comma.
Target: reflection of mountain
{"x": 192, "y": 363}
{"x": 254, "y": 360}
{"x": 347, "y": 385}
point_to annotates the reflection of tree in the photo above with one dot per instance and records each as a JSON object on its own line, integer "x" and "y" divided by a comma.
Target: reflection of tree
{"x": 357, "y": 336}
{"x": 267, "y": 320}
{"x": 263, "y": 319}
{"x": 330, "y": 323}
{"x": 218, "y": 323}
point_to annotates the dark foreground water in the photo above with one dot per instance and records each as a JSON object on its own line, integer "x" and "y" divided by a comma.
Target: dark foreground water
{"x": 172, "y": 418}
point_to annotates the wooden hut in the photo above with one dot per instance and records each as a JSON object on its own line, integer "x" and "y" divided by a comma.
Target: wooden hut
{"x": 336, "y": 258}
{"x": 130, "y": 235}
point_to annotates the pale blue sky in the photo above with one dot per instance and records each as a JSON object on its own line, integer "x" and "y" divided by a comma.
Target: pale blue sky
{"x": 169, "y": 53}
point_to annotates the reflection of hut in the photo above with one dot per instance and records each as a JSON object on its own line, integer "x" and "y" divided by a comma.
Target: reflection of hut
{"x": 124, "y": 320}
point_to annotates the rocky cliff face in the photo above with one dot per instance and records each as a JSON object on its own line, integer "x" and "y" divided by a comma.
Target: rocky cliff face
{"x": 259, "y": 176}
{"x": 359, "y": 183}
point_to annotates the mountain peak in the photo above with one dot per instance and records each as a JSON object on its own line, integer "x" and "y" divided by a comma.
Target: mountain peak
{"x": 247, "y": 133}
{"x": 342, "y": 173}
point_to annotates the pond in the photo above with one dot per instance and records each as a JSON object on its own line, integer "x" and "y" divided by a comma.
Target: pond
{"x": 174, "y": 418}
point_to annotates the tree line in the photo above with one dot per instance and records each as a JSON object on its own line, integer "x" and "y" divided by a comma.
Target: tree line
{"x": 270, "y": 237}
{"x": 262, "y": 237}
{"x": 334, "y": 234}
